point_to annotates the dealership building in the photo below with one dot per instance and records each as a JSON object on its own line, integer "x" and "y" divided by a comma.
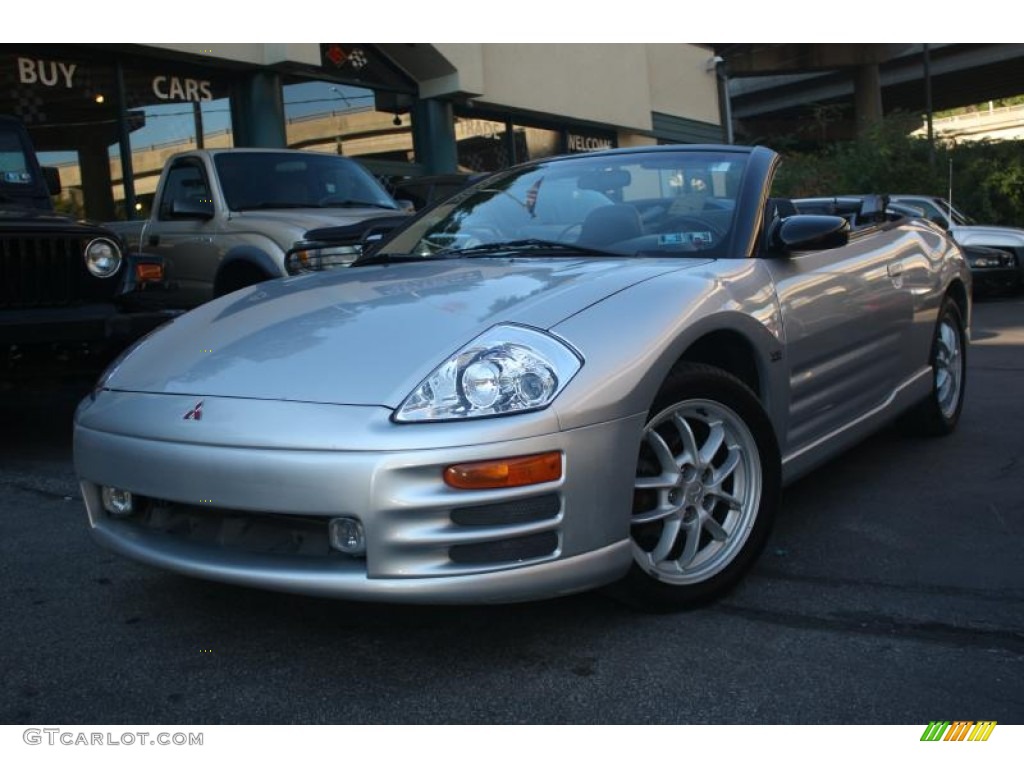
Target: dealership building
{"x": 108, "y": 116}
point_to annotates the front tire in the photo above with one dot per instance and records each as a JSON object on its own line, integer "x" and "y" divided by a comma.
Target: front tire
{"x": 706, "y": 490}
{"x": 237, "y": 276}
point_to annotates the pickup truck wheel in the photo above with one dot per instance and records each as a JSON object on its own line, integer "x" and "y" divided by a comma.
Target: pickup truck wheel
{"x": 706, "y": 491}
{"x": 237, "y": 276}
{"x": 939, "y": 413}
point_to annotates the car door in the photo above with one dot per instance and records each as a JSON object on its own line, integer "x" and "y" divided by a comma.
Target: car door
{"x": 185, "y": 233}
{"x": 846, "y": 320}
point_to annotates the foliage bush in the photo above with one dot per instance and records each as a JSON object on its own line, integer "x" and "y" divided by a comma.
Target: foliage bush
{"x": 988, "y": 176}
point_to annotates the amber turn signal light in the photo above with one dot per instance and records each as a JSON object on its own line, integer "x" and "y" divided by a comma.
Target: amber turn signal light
{"x": 506, "y": 473}
{"x": 149, "y": 273}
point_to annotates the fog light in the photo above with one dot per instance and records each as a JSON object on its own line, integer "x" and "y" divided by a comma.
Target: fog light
{"x": 346, "y": 535}
{"x": 118, "y": 502}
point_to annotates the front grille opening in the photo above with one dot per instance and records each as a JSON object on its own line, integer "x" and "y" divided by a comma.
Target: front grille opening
{"x": 259, "y": 533}
{"x": 44, "y": 269}
{"x": 530, "y": 510}
{"x": 506, "y": 550}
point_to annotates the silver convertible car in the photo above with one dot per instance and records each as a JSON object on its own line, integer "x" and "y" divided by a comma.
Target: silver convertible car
{"x": 583, "y": 371}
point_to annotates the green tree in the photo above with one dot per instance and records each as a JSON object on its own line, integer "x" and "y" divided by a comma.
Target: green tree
{"x": 988, "y": 176}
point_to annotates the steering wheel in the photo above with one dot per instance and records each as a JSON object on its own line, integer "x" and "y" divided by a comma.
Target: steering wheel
{"x": 689, "y": 224}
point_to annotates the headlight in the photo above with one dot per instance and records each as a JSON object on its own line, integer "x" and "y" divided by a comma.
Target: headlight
{"x": 312, "y": 259}
{"x": 102, "y": 257}
{"x": 508, "y": 369}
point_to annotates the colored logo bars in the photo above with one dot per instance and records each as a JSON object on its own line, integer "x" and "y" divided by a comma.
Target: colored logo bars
{"x": 959, "y": 730}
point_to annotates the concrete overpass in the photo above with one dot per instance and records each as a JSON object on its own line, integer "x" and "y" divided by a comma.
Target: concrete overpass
{"x": 815, "y": 92}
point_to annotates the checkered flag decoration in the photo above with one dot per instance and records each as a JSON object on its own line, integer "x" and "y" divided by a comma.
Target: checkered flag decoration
{"x": 357, "y": 58}
{"x": 339, "y": 57}
{"x": 27, "y": 105}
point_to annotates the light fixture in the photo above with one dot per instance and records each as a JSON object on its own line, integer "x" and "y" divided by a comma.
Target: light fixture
{"x": 100, "y": 98}
{"x": 346, "y": 535}
{"x": 117, "y": 501}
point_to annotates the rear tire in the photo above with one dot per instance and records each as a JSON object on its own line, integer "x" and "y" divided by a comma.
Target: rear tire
{"x": 706, "y": 492}
{"x": 939, "y": 413}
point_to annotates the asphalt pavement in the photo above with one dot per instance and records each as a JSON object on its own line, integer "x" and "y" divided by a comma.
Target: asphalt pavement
{"x": 892, "y": 591}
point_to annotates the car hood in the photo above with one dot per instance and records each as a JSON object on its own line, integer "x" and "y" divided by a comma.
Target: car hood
{"x": 988, "y": 235}
{"x": 301, "y": 220}
{"x": 366, "y": 335}
{"x": 28, "y": 220}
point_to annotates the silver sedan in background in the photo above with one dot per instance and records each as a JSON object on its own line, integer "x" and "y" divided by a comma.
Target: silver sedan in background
{"x": 583, "y": 371}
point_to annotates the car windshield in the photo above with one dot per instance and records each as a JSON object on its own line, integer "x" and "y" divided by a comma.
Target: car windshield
{"x": 958, "y": 218}
{"x": 260, "y": 180}
{"x": 653, "y": 204}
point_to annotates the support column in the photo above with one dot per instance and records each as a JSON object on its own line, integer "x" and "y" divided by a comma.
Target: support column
{"x": 433, "y": 136}
{"x": 867, "y": 97}
{"x": 257, "y": 112}
{"x": 96, "y": 181}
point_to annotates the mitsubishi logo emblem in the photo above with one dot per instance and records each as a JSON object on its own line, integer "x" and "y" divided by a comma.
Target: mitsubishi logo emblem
{"x": 196, "y": 414}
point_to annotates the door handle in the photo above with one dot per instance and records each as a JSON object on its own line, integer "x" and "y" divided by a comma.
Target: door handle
{"x": 895, "y": 270}
{"x": 154, "y": 240}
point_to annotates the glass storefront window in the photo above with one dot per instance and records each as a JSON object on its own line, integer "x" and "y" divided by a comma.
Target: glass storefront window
{"x": 536, "y": 143}
{"x": 169, "y": 111}
{"x": 69, "y": 106}
{"x": 482, "y": 145}
{"x": 487, "y": 145}
{"x": 345, "y": 120}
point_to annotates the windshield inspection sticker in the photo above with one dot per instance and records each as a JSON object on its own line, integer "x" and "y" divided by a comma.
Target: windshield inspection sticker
{"x": 17, "y": 177}
{"x": 696, "y": 239}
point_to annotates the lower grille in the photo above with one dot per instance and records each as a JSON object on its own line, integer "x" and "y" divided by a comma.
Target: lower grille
{"x": 507, "y": 550}
{"x": 237, "y": 530}
{"x": 510, "y": 512}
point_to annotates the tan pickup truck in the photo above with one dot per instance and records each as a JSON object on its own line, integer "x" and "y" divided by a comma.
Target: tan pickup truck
{"x": 224, "y": 219}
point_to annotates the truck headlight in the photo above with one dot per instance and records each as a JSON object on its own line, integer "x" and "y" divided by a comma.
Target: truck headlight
{"x": 507, "y": 369}
{"x": 313, "y": 259}
{"x": 102, "y": 257}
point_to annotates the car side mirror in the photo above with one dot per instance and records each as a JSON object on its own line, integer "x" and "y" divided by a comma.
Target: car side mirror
{"x": 808, "y": 232}
{"x": 192, "y": 208}
{"x": 51, "y": 176}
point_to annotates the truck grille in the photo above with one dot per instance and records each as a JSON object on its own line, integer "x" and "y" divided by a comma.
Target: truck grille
{"x": 46, "y": 271}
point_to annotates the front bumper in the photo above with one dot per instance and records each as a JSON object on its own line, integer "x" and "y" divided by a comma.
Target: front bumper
{"x": 257, "y": 516}
{"x": 994, "y": 279}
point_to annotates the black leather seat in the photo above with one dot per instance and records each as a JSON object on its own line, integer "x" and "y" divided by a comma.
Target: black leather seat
{"x": 610, "y": 224}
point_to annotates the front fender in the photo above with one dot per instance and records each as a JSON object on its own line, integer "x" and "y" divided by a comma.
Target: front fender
{"x": 656, "y": 322}
{"x": 271, "y": 263}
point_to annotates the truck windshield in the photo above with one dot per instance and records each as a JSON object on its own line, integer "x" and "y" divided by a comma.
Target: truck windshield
{"x": 261, "y": 180}
{"x": 16, "y": 172}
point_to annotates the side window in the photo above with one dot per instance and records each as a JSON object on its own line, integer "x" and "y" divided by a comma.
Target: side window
{"x": 186, "y": 185}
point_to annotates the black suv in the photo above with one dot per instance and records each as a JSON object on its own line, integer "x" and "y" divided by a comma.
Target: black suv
{"x": 69, "y": 295}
